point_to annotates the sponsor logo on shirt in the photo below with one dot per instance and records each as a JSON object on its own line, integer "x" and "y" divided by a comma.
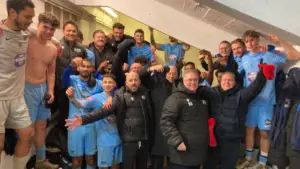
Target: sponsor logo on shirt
{"x": 20, "y": 60}
{"x": 172, "y": 57}
{"x": 189, "y": 102}
{"x": 77, "y": 50}
{"x": 251, "y": 76}
{"x": 88, "y": 98}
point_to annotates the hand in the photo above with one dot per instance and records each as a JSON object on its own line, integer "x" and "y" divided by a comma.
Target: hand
{"x": 181, "y": 147}
{"x": 204, "y": 75}
{"x": 157, "y": 68}
{"x": 222, "y": 61}
{"x": 273, "y": 38}
{"x": 153, "y": 49}
{"x": 51, "y": 100}
{"x": 108, "y": 103}
{"x": 111, "y": 119}
{"x": 70, "y": 92}
{"x": 72, "y": 124}
{"x": 263, "y": 48}
{"x": 125, "y": 67}
{"x": 76, "y": 62}
{"x": 151, "y": 29}
{"x": 103, "y": 65}
{"x": 202, "y": 57}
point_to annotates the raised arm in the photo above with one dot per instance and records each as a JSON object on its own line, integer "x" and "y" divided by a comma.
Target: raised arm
{"x": 210, "y": 77}
{"x": 250, "y": 93}
{"x": 145, "y": 74}
{"x": 123, "y": 49}
{"x": 152, "y": 40}
{"x": 185, "y": 46}
{"x": 293, "y": 54}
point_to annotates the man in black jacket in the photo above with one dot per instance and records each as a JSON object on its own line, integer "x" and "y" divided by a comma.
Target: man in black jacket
{"x": 134, "y": 119}
{"x": 184, "y": 123}
{"x": 71, "y": 51}
{"x": 230, "y": 103}
{"x": 100, "y": 48}
{"x": 160, "y": 87}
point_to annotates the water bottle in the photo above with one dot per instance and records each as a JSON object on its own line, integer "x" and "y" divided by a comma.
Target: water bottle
{"x": 65, "y": 164}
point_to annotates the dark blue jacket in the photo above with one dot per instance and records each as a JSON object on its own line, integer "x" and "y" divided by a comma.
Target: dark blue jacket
{"x": 229, "y": 108}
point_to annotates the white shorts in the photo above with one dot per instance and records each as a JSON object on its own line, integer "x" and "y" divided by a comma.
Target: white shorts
{"x": 14, "y": 114}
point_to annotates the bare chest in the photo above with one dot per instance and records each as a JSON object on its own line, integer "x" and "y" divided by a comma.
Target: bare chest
{"x": 39, "y": 53}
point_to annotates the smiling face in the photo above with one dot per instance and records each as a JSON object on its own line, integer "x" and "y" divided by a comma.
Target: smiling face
{"x": 227, "y": 81}
{"x": 172, "y": 75}
{"x": 191, "y": 80}
{"x": 225, "y": 50}
{"x": 108, "y": 84}
{"x": 238, "y": 49}
{"x": 251, "y": 43}
{"x": 70, "y": 32}
{"x": 22, "y": 19}
{"x": 99, "y": 39}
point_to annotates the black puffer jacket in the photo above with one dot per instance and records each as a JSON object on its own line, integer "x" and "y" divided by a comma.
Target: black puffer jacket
{"x": 185, "y": 119}
{"x": 160, "y": 89}
{"x": 69, "y": 53}
{"x": 106, "y": 54}
{"x": 229, "y": 108}
{"x": 133, "y": 111}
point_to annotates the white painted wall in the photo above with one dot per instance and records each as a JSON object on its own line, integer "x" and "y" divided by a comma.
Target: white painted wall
{"x": 279, "y": 13}
{"x": 167, "y": 20}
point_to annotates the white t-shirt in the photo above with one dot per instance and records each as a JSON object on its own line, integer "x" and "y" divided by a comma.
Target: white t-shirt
{"x": 13, "y": 50}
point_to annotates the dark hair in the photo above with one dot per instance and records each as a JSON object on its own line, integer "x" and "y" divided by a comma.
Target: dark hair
{"x": 190, "y": 63}
{"x": 18, "y": 5}
{"x": 80, "y": 34}
{"x": 118, "y": 25}
{"x": 230, "y": 73}
{"x": 70, "y": 22}
{"x": 251, "y": 34}
{"x": 49, "y": 18}
{"x": 225, "y": 42}
{"x": 240, "y": 41}
{"x": 110, "y": 76}
{"x": 141, "y": 60}
{"x": 98, "y": 31}
{"x": 139, "y": 31}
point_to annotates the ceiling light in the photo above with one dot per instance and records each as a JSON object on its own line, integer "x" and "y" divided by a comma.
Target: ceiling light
{"x": 110, "y": 11}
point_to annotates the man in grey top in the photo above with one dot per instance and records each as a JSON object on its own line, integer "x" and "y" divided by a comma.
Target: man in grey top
{"x": 13, "y": 48}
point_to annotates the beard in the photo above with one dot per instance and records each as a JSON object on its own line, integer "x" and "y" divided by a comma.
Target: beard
{"x": 85, "y": 75}
{"x": 20, "y": 25}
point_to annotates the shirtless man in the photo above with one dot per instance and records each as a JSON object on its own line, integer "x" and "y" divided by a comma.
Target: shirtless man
{"x": 40, "y": 80}
{"x": 13, "y": 45}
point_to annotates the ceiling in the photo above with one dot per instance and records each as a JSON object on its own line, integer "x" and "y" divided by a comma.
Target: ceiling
{"x": 226, "y": 18}
{"x": 209, "y": 15}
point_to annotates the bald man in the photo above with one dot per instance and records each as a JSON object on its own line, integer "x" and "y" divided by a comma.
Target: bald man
{"x": 132, "y": 109}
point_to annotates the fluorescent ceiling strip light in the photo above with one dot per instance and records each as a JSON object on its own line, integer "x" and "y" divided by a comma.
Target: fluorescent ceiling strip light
{"x": 110, "y": 11}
